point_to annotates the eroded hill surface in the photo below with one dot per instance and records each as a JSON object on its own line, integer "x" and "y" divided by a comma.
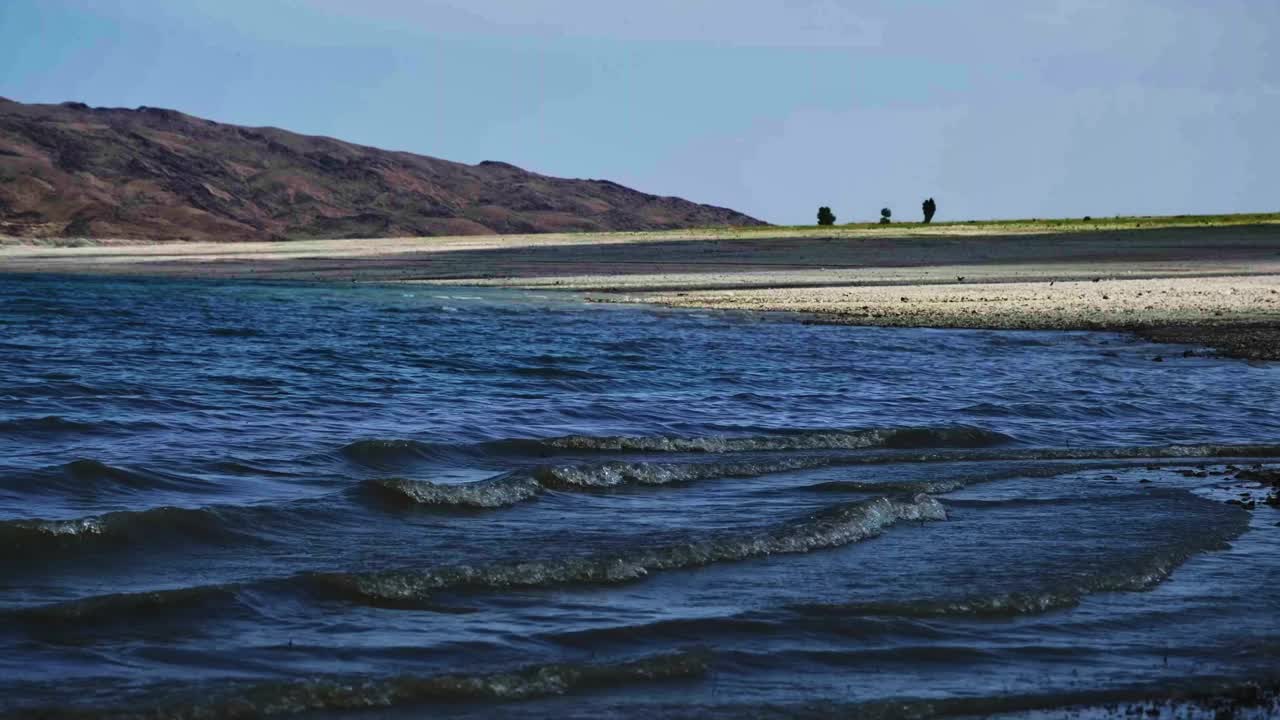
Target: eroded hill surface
{"x": 70, "y": 170}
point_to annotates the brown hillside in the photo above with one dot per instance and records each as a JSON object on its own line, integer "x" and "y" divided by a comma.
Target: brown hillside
{"x": 73, "y": 171}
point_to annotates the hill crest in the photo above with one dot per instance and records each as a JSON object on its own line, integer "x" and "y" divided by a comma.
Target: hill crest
{"x": 70, "y": 170}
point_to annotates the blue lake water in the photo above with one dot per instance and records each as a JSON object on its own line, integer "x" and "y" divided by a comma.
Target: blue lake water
{"x": 239, "y": 499}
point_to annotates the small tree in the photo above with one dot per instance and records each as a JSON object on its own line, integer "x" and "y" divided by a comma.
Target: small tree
{"x": 885, "y": 214}
{"x": 929, "y": 207}
{"x": 825, "y": 216}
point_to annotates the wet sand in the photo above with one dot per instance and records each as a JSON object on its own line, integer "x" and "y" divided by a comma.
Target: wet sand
{"x": 1218, "y": 286}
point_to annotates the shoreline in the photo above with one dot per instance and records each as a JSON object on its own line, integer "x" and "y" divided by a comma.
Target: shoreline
{"x": 1216, "y": 286}
{"x": 1237, "y": 316}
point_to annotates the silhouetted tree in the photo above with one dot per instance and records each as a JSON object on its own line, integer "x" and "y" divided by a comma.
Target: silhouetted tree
{"x": 885, "y": 214}
{"x": 929, "y": 207}
{"x": 825, "y": 216}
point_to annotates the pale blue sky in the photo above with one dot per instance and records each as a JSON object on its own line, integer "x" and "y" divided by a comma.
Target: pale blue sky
{"x": 1003, "y": 108}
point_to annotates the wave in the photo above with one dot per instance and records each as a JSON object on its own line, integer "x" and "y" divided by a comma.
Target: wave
{"x": 362, "y": 693}
{"x": 1137, "y": 574}
{"x": 614, "y": 474}
{"x": 554, "y": 373}
{"x": 932, "y": 487}
{"x": 1159, "y": 452}
{"x": 38, "y": 537}
{"x": 93, "y": 471}
{"x": 127, "y": 608}
{"x": 1189, "y": 453}
{"x": 938, "y": 444}
{"x": 48, "y": 424}
{"x": 833, "y": 527}
{"x": 515, "y": 487}
{"x": 947, "y": 485}
{"x": 894, "y": 438}
{"x": 80, "y": 476}
{"x": 378, "y": 452}
{"x": 492, "y": 493}
{"x": 234, "y": 332}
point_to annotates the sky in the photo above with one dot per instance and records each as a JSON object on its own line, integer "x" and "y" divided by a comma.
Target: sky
{"x": 996, "y": 108}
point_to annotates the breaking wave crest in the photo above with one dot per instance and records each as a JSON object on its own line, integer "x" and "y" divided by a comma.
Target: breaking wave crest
{"x": 492, "y": 493}
{"x": 515, "y": 488}
{"x": 833, "y": 527}
{"x": 382, "y": 452}
{"x": 896, "y": 438}
{"x": 614, "y": 474}
{"x": 38, "y": 537}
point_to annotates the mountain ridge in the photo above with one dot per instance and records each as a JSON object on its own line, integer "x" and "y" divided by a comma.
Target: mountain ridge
{"x": 71, "y": 170}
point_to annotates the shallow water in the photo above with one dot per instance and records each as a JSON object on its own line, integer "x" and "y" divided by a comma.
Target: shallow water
{"x": 248, "y": 498}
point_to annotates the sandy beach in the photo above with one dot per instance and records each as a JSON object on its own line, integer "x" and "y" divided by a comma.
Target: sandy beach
{"x": 1217, "y": 285}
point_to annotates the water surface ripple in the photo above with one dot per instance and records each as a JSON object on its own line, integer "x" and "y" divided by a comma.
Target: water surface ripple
{"x": 240, "y": 499}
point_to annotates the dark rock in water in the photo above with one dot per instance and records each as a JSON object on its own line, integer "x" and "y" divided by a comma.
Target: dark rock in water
{"x": 1110, "y": 477}
{"x": 1246, "y": 341}
{"x": 1157, "y": 359}
{"x": 1144, "y": 480}
{"x": 1266, "y": 477}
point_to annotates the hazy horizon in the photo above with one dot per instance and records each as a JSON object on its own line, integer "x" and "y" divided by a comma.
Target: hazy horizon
{"x": 998, "y": 109}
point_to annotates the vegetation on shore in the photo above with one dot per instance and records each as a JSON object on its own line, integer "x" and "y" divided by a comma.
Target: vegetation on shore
{"x": 1080, "y": 224}
{"x": 1011, "y": 226}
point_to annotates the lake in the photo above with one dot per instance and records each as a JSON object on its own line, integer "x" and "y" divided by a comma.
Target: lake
{"x": 233, "y": 499}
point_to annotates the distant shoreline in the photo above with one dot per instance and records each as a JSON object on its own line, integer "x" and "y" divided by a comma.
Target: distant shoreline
{"x": 1187, "y": 280}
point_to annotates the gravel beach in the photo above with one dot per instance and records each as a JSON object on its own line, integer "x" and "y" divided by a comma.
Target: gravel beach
{"x": 1216, "y": 285}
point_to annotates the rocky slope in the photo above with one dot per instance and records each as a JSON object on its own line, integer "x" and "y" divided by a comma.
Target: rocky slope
{"x": 73, "y": 171}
